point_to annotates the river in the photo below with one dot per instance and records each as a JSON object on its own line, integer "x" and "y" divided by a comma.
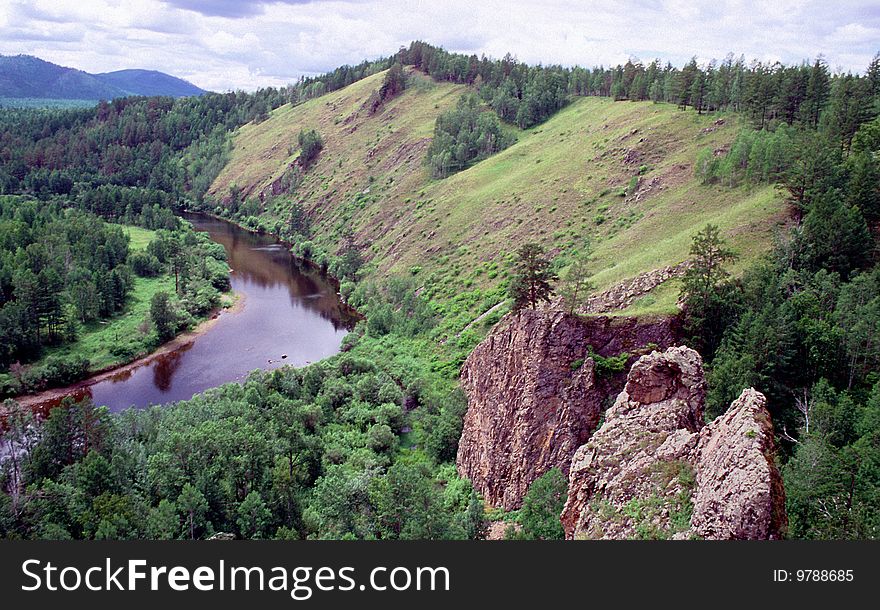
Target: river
{"x": 289, "y": 314}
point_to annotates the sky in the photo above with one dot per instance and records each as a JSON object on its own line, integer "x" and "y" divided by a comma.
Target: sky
{"x": 223, "y": 45}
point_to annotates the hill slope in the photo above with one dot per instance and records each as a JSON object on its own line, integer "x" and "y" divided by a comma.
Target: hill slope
{"x": 24, "y": 76}
{"x": 616, "y": 174}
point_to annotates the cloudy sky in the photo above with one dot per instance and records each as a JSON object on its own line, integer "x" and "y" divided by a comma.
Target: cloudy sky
{"x": 242, "y": 44}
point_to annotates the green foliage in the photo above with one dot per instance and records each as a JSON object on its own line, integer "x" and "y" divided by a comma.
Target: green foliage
{"x": 254, "y": 517}
{"x": 575, "y": 286}
{"x": 392, "y": 85}
{"x": 310, "y": 144}
{"x": 463, "y": 136}
{"x": 532, "y": 278}
{"x": 755, "y": 157}
{"x": 360, "y": 446}
{"x": 707, "y": 292}
{"x": 605, "y": 367}
{"x": 68, "y": 278}
{"x": 193, "y": 507}
{"x": 317, "y": 452}
{"x": 163, "y": 316}
{"x": 542, "y": 506}
{"x": 831, "y": 481}
{"x": 56, "y": 267}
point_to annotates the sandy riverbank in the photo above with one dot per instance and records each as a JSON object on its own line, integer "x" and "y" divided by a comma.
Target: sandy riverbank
{"x": 182, "y": 340}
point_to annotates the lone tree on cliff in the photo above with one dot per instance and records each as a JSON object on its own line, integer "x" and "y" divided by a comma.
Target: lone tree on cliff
{"x": 533, "y": 276}
{"x": 707, "y": 291}
{"x": 576, "y": 285}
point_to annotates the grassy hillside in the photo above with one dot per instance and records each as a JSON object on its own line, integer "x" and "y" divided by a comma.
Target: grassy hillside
{"x": 616, "y": 174}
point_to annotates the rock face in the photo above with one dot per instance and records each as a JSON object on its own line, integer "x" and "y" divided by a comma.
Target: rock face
{"x": 738, "y": 492}
{"x": 531, "y": 403}
{"x": 654, "y": 471}
{"x": 626, "y": 293}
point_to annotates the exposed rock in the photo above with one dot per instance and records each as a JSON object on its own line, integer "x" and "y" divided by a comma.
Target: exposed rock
{"x": 626, "y": 293}
{"x": 632, "y": 478}
{"x": 531, "y": 403}
{"x": 739, "y": 493}
{"x": 222, "y": 536}
{"x": 632, "y": 156}
{"x": 497, "y": 529}
{"x": 653, "y": 471}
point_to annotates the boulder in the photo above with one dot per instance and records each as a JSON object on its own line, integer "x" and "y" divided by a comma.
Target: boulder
{"x": 653, "y": 470}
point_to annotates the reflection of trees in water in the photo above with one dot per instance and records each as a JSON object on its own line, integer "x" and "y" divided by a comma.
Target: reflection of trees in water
{"x": 166, "y": 365}
{"x": 78, "y": 394}
{"x": 264, "y": 262}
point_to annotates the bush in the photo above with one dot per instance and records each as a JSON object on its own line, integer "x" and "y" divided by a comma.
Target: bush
{"x": 310, "y": 143}
{"x": 144, "y": 264}
{"x": 542, "y": 506}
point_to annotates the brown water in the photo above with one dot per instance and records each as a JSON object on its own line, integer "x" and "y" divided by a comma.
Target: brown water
{"x": 288, "y": 309}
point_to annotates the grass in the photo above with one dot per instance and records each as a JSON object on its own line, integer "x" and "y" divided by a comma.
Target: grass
{"x": 139, "y": 237}
{"x": 120, "y": 339}
{"x": 123, "y": 337}
{"x": 551, "y": 186}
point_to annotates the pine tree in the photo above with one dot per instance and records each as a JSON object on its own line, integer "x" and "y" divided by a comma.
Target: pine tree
{"x": 575, "y": 287}
{"x": 707, "y": 290}
{"x": 532, "y": 279}
{"x": 193, "y": 505}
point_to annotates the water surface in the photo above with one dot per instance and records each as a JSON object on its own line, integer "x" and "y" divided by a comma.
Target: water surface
{"x": 289, "y": 315}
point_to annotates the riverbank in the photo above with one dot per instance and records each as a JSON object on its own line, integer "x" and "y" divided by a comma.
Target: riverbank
{"x": 293, "y": 317}
{"x": 55, "y": 395}
{"x": 323, "y": 270}
{"x": 125, "y": 334}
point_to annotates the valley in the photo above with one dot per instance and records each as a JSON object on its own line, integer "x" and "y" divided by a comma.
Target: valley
{"x": 635, "y": 302}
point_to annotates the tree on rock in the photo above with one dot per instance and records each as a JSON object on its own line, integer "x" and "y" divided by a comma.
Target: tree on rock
{"x": 707, "y": 291}
{"x": 533, "y": 277}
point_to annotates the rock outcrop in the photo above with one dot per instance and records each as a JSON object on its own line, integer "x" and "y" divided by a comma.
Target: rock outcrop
{"x": 654, "y": 471}
{"x": 738, "y": 493}
{"x": 534, "y": 398}
{"x": 628, "y": 292}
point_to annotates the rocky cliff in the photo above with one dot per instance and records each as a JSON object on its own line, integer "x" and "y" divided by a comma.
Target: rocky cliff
{"x": 534, "y": 396}
{"x": 652, "y": 470}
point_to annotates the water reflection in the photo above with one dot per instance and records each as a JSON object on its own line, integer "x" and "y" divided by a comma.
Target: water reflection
{"x": 290, "y": 315}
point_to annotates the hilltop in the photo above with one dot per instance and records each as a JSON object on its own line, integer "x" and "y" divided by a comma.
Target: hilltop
{"x": 25, "y": 76}
{"x": 619, "y": 175}
{"x": 149, "y": 83}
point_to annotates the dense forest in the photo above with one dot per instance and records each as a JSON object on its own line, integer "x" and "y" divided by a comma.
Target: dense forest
{"x": 64, "y": 271}
{"x": 362, "y": 445}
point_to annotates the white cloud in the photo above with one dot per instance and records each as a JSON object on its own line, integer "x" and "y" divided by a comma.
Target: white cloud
{"x": 275, "y": 42}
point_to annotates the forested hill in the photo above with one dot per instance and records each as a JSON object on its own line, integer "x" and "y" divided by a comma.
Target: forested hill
{"x": 25, "y": 76}
{"x": 149, "y": 83}
{"x": 440, "y": 189}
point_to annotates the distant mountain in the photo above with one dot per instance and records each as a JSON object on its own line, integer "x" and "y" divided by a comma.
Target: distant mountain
{"x": 149, "y": 82}
{"x": 25, "y": 76}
